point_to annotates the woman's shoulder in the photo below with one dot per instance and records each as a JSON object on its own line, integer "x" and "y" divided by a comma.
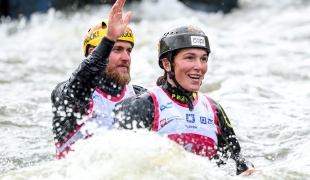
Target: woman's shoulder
{"x": 214, "y": 102}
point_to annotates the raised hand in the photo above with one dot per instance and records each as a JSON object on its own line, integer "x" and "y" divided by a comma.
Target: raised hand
{"x": 117, "y": 24}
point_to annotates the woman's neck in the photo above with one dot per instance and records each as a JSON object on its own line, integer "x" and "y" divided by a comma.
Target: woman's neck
{"x": 179, "y": 94}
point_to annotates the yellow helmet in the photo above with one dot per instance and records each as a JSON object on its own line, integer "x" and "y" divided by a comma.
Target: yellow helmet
{"x": 96, "y": 33}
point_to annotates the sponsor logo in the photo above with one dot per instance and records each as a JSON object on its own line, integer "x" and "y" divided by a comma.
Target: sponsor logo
{"x": 210, "y": 121}
{"x": 94, "y": 114}
{"x": 205, "y": 105}
{"x": 163, "y": 122}
{"x": 178, "y": 97}
{"x": 198, "y": 41}
{"x": 127, "y": 34}
{"x": 91, "y": 37}
{"x": 95, "y": 96}
{"x": 190, "y": 118}
{"x": 203, "y": 120}
{"x": 176, "y": 118}
{"x": 191, "y": 126}
{"x": 168, "y": 105}
{"x": 98, "y": 114}
{"x": 194, "y": 29}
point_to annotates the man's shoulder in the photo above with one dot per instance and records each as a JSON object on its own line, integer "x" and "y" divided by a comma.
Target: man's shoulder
{"x": 57, "y": 91}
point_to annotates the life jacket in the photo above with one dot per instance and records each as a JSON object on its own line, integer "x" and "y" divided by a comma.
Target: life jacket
{"x": 195, "y": 130}
{"x": 99, "y": 114}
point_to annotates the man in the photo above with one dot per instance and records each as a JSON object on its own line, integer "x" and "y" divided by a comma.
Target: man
{"x": 86, "y": 100}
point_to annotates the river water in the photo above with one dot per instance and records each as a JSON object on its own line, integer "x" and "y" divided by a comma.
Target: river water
{"x": 259, "y": 71}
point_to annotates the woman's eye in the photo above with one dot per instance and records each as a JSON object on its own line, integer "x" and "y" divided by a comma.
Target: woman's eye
{"x": 189, "y": 58}
{"x": 204, "y": 59}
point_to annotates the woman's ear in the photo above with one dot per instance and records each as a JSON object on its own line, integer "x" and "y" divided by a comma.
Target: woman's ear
{"x": 166, "y": 64}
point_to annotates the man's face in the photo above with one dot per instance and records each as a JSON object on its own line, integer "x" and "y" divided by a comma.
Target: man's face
{"x": 118, "y": 69}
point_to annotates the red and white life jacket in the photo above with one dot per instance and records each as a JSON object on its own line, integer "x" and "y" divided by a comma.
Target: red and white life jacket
{"x": 99, "y": 114}
{"x": 195, "y": 130}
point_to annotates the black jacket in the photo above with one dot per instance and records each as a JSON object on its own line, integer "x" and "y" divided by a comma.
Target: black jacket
{"x": 127, "y": 115}
{"x": 71, "y": 98}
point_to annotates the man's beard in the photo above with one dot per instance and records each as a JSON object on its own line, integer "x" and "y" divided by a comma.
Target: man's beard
{"x": 116, "y": 78}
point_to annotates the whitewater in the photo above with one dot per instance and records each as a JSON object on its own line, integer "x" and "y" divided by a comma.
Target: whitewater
{"x": 259, "y": 71}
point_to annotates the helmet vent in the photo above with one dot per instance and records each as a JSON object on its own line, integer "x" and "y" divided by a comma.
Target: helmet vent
{"x": 103, "y": 25}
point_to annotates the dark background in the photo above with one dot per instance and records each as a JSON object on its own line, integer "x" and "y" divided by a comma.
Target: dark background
{"x": 24, "y": 8}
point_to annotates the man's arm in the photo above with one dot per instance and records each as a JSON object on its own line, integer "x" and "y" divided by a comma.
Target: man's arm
{"x": 71, "y": 98}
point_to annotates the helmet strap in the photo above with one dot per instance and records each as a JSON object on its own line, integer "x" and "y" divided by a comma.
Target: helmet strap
{"x": 171, "y": 75}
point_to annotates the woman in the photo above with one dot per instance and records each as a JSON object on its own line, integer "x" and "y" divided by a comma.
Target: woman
{"x": 175, "y": 107}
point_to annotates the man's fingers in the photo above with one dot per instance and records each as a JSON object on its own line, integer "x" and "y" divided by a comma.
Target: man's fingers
{"x": 120, "y": 3}
{"x": 117, "y": 23}
{"x": 117, "y": 10}
{"x": 118, "y": 6}
{"x": 127, "y": 17}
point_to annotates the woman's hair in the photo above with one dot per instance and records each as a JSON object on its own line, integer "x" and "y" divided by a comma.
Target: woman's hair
{"x": 161, "y": 79}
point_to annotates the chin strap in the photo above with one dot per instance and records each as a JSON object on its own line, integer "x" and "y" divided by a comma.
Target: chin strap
{"x": 178, "y": 86}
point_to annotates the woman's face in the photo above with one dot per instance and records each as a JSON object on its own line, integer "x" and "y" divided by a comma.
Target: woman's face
{"x": 190, "y": 66}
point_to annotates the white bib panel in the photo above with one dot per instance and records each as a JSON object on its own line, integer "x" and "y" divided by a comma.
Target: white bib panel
{"x": 192, "y": 129}
{"x": 99, "y": 114}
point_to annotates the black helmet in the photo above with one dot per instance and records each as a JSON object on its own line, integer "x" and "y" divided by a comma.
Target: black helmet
{"x": 182, "y": 37}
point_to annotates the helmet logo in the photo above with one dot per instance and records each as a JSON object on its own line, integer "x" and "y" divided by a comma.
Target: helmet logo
{"x": 91, "y": 37}
{"x": 127, "y": 34}
{"x": 198, "y": 41}
{"x": 194, "y": 29}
